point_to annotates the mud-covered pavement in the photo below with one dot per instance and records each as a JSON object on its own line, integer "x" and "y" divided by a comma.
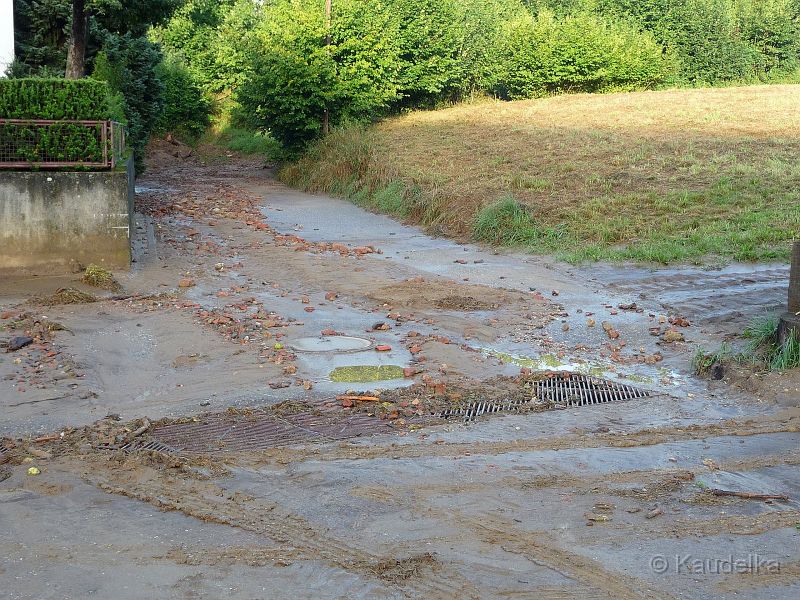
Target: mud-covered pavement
{"x": 197, "y": 437}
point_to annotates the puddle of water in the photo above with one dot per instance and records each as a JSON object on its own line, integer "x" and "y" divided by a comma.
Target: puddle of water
{"x": 553, "y": 363}
{"x": 366, "y": 373}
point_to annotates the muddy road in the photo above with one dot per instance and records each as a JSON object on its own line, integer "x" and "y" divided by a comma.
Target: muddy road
{"x": 290, "y": 397}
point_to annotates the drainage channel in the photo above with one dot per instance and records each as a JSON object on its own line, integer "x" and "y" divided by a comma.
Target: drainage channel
{"x": 262, "y": 429}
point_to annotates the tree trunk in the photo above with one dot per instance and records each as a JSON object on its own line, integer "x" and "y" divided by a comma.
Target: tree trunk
{"x": 76, "y": 53}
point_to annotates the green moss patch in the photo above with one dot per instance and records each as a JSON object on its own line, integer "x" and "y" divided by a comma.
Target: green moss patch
{"x": 366, "y": 373}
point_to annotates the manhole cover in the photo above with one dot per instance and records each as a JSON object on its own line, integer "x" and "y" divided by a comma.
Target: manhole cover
{"x": 333, "y": 343}
{"x": 557, "y": 390}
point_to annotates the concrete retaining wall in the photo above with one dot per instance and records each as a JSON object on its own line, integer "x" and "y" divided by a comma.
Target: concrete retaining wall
{"x": 51, "y": 222}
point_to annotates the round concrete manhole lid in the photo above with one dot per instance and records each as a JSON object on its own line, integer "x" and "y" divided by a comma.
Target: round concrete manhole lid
{"x": 333, "y": 343}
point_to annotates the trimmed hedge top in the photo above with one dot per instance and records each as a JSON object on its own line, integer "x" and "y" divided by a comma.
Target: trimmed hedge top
{"x": 81, "y": 99}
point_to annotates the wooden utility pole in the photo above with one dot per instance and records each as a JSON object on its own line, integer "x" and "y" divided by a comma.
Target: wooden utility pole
{"x": 326, "y": 116}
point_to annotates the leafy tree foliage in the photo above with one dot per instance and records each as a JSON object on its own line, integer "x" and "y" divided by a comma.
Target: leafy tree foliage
{"x": 295, "y": 77}
{"x": 128, "y": 63}
{"x": 42, "y": 29}
{"x": 286, "y": 69}
{"x": 186, "y": 109}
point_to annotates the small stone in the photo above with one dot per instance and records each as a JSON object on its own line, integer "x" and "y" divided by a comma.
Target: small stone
{"x": 672, "y": 335}
{"x": 18, "y": 343}
{"x": 186, "y": 282}
{"x": 383, "y": 348}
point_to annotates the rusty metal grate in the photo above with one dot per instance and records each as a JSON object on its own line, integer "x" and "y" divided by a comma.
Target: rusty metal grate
{"x": 150, "y": 446}
{"x": 556, "y": 390}
{"x": 570, "y": 389}
{"x": 473, "y": 410}
{"x": 261, "y": 430}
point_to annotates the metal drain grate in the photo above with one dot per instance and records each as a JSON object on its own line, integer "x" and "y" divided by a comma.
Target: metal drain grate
{"x": 558, "y": 389}
{"x": 150, "y": 446}
{"x": 260, "y": 431}
{"x": 473, "y": 410}
{"x": 569, "y": 389}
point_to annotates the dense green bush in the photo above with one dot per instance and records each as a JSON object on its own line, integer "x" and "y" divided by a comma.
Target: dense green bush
{"x": 54, "y": 99}
{"x": 447, "y": 48}
{"x": 186, "y": 109}
{"x": 580, "y": 53}
{"x": 719, "y": 40}
{"x": 128, "y": 64}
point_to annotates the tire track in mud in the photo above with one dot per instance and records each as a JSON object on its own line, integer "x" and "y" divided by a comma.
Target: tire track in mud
{"x": 643, "y": 437}
{"x": 787, "y": 575}
{"x": 734, "y": 525}
{"x": 211, "y": 503}
{"x": 662, "y": 481}
{"x": 541, "y": 549}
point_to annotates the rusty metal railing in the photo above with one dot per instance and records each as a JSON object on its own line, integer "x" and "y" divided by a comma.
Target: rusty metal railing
{"x": 60, "y": 144}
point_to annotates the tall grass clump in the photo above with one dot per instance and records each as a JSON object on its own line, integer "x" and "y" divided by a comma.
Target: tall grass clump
{"x": 509, "y": 223}
{"x": 345, "y": 163}
{"x": 764, "y": 346}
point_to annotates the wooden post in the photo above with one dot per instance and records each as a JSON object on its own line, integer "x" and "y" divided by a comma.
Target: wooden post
{"x": 790, "y": 321}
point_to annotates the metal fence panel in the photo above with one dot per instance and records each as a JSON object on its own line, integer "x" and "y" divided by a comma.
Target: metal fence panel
{"x": 51, "y": 144}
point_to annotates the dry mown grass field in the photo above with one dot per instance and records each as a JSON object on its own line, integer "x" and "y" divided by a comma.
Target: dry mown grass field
{"x": 676, "y": 175}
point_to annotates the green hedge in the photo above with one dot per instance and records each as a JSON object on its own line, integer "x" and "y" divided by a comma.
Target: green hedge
{"x": 54, "y": 99}
{"x": 83, "y": 99}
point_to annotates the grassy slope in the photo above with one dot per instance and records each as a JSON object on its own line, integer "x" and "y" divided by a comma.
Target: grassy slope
{"x": 677, "y": 175}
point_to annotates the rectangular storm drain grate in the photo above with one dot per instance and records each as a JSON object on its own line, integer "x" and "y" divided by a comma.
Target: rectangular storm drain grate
{"x": 558, "y": 390}
{"x": 473, "y": 410}
{"x": 261, "y": 431}
{"x": 150, "y": 446}
{"x": 570, "y": 389}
